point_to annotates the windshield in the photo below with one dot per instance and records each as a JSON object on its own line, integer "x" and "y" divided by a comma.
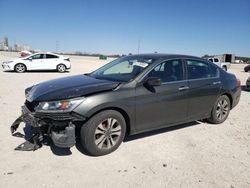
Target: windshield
{"x": 123, "y": 69}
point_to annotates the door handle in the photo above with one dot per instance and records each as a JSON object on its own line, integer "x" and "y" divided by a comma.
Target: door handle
{"x": 215, "y": 83}
{"x": 183, "y": 88}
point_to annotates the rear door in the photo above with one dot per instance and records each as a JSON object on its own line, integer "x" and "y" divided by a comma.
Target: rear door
{"x": 204, "y": 86}
{"x": 51, "y": 61}
{"x": 165, "y": 104}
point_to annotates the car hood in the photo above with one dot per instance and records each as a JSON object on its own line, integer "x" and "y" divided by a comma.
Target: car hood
{"x": 68, "y": 87}
{"x": 19, "y": 58}
{"x": 12, "y": 60}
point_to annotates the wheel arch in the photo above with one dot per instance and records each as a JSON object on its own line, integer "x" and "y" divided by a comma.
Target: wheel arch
{"x": 122, "y": 112}
{"x": 22, "y": 64}
{"x": 60, "y": 64}
{"x": 230, "y": 98}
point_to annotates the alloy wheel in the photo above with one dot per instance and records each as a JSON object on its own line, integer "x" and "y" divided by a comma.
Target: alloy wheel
{"x": 107, "y": 133}
{"x": 61, "y": 68}
{"x": 20, "y": 68}
{"x": 222, "y": 109}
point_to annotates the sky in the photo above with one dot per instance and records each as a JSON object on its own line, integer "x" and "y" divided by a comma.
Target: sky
{"x": 194, "y": 27}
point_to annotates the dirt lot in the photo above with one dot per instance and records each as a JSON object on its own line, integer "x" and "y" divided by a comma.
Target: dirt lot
{"x": 190, "y": 155}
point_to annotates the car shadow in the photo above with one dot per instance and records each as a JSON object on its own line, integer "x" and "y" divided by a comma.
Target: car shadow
{"x": 142, "y": 135}
{"x": 39, "y": 71}
{"x": 59, "y": 151}
{"x": 66, "y": 151}
{"x": 160, "y": 131}
{"x": 55, "y": 150}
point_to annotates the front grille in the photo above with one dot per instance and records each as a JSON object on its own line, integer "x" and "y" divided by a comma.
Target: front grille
{"x": 54, "y": 116}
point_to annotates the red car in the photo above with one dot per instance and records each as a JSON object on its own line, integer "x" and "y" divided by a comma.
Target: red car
{"x": 25, "y": 53}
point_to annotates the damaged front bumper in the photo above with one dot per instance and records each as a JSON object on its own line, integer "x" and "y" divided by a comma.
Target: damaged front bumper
{"x": 58, "y": 127}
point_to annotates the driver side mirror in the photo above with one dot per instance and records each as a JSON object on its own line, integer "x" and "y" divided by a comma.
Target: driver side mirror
{"x": 30, "y": 58}
{"x": 153, "y": 81}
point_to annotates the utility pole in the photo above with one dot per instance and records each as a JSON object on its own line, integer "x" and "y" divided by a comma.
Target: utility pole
{"x": 139, "y": 45}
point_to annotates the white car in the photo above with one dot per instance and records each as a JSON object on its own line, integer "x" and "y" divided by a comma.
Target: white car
{"x": 38, "y": 61}
{"x": 224, "y": 65}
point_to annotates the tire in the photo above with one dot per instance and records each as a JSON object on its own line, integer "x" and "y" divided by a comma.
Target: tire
{"x": 61, "y": 68}
{"x": 220, "y": 110}
{"x": 20, "y": 68}
{"x": 98, "y": 138}
{"x": 224, "y": 68}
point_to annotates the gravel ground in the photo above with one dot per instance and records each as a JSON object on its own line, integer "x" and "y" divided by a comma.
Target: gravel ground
{"x": 190, "y": 155}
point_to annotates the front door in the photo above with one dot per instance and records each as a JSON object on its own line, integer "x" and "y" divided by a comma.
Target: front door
{"x": 36, "y": 62}
{"x": 166, "y": 104}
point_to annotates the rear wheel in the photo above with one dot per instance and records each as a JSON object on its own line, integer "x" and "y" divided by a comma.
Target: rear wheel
{"x": 61, "y": 68}
{"x": 220, "y": 110}
{"x": 20, "y": 68}
{"x": 103, "y": 133}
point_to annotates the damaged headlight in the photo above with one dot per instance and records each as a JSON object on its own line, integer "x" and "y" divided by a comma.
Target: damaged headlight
{"x": 59, "y": 106}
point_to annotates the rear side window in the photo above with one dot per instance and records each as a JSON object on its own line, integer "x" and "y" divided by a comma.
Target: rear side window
{"x": 50, "y": 56}
{"x": 199, "y": 69}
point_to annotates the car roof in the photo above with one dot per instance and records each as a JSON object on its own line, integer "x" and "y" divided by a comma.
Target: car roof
{"x": 45, "y": 53}
{"x": 163, "y": 56}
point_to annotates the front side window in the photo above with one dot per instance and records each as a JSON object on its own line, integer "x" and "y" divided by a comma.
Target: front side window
{"x": 199, "y": 69}
{"x": 168, "y": 71}
{"x": 37, "y": 56}
{"x": 123, "y": 69}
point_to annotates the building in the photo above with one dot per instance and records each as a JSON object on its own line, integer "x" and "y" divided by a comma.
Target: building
{"x": 20, "y": 47}
{"x": 4, "y": 45}
{"x": 6, "y": 42}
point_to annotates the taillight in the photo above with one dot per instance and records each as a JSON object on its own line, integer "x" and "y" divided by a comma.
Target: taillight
{"x": 238, "y": 82}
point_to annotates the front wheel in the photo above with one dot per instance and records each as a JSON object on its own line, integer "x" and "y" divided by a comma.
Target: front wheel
{"x": 61, "y": 68}
{"x": 20, "y": 68}
{"x": 103, "y": 133}
{"x": 220, "y": 110}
